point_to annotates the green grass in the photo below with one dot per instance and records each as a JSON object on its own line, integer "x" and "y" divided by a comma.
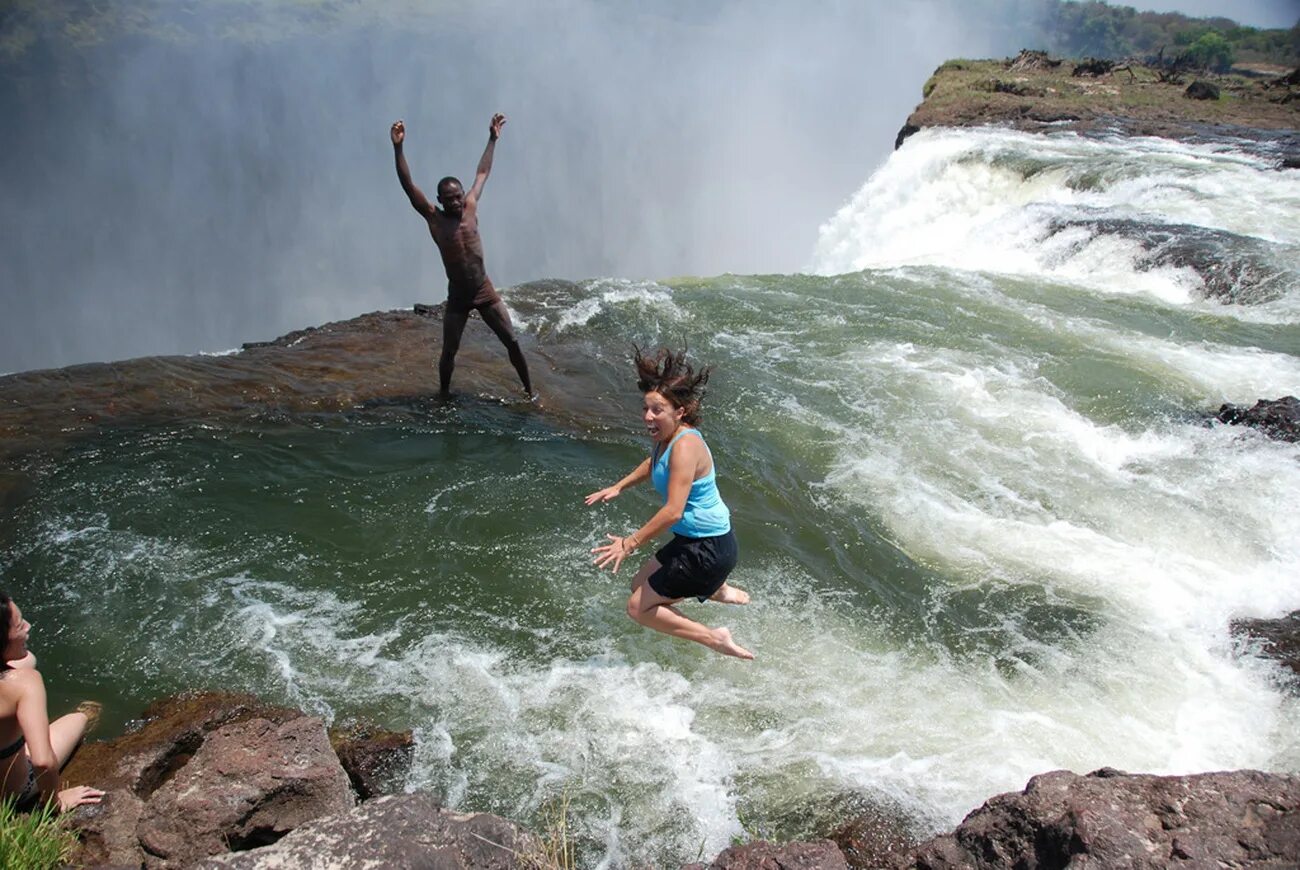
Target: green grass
{"x": 33, "y": 841}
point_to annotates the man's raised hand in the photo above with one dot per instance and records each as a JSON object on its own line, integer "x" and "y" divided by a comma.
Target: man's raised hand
{"x": 494, "y": 128}
{"x": 398, "y": 132}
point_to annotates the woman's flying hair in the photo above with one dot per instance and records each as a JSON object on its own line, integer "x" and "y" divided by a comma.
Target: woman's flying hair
{"x": 671, "y": 376}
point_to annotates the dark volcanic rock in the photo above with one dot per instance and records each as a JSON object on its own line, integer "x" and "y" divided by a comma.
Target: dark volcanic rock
{"x": 406, "y": 831}
{"x": 1199, "y": 90}
{"x": 134, "y": 766}
{"x": 1278, "y": 638}
{"x": 377, "y": 761}
{"x": 905, "y": 131}
{"x": 820, "y": 855}
{"x": 1112, "y": 819}
{"x": 248, "y": 785}
{"x": 1276, "y": 418}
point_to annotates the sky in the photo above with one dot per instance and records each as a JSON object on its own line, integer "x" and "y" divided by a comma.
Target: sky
{"x": 1253, "y": 13}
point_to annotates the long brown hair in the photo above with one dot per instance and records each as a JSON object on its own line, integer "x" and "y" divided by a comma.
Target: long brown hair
{"x": 6, "y": 616}
{"x": 667, "y": 373}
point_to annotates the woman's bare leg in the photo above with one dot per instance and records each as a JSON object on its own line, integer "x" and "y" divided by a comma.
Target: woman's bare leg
{"x": 652, "y": 610}
{"x": 65, "y": 733}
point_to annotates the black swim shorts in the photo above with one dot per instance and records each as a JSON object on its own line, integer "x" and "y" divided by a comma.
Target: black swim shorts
{"x": 694, "y": 566}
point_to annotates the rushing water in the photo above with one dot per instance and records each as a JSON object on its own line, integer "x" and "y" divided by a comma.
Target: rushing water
{"x": 986, "y": 529}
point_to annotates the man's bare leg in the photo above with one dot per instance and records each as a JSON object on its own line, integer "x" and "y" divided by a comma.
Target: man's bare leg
{"x": 497, "y": 316}
{"x": 453, "y": 325}
{"x": 652, "y": 610}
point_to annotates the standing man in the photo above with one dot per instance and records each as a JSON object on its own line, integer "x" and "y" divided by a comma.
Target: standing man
{"x": 454, "y": 228}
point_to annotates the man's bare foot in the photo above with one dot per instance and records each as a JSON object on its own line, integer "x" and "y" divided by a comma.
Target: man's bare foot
{"x": 728, "y": 594}
{"x": 723, "y": 643}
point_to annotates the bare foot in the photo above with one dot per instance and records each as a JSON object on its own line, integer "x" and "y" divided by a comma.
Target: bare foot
{"x": 723, "y": 643}
{"x": 729, "y": 594}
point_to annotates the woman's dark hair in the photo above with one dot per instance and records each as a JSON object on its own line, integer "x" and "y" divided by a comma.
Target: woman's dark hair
{"x": 6, "y": 614}
{"x": 671, "y": 376}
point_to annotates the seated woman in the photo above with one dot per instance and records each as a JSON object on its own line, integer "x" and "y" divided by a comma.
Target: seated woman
{"x": 32, "y": 748}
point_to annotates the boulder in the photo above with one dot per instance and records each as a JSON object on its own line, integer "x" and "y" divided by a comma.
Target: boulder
{"x": 132, "y": 767}
{"x": 1278, "y": 638}
{"x": 408, "y": 831}
{"x": 1199, "y": 90}
{"x": 761, "y": 855}
{"x": 377, "y": 761}
{"x": 1276, "y": 418}
{"x": 1109, "y": 818}
{"x": 248, "y": 785}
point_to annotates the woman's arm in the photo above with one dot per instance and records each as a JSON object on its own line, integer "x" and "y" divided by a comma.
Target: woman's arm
{"x": 638, "y": 474}
{"x": 34, "y": 720}
{"x": 681, "y": 474}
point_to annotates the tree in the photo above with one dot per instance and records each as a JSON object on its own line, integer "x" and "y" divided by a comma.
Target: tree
{"x": 1211, "y": 51}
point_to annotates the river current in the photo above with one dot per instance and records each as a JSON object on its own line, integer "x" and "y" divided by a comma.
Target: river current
{"x": 987, "y": 530}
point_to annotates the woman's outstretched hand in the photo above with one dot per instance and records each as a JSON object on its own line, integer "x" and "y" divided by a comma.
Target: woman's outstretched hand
{"x": 613, "y": 553}
{"x": 78, "y": 795}
{"x": 605, "y": 494}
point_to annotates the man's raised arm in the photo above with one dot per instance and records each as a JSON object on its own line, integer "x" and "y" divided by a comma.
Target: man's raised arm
{"x": 418, "y": 200}
{"x": 485, "y": 162}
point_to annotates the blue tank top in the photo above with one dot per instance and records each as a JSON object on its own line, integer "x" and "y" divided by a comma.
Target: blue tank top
{"x": 705, "y": 514}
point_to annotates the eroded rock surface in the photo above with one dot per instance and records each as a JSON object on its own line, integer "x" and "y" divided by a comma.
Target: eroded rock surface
{"x": 1112, "y": 819}
{"x": 248, "y": 785}
{"x": 408, "y": 831}
{"x": 133, "y": 767}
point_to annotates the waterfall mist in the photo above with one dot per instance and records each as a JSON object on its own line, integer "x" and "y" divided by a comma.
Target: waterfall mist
{"x": 234, "y": 183}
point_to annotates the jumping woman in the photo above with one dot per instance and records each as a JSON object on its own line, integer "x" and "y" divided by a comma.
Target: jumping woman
{"x": 696, "y": 562}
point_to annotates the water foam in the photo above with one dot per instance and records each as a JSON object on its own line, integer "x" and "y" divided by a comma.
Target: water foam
{"x": 1015, "y": 203}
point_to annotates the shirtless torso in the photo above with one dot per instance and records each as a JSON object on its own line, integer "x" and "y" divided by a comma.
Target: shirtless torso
{"x": 454, "y": 229}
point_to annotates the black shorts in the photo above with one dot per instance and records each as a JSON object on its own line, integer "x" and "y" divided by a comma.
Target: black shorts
{"x": 694, "y": 567}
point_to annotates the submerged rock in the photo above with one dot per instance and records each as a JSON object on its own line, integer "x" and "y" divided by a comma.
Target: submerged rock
{"x": 1112, "y": 819}
{"x": 377, "y": 761}
{"x": 819, "y": 855}
{"x": 1276, "y": 418}
{"x": 1278, "y": 638}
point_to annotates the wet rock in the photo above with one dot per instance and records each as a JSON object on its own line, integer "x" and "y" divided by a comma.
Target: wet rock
{"x": 1201, "y": 90}
{"x": 377, "y": 761}
{"x": 1276, "y": 418}
{"x": 1278, "y": 638}
{"x": 248, "y": 785}
{"x": 395, "y": 831}
{"x": 820, "y": 855}
{"x": 1113, "y": 819}
{"x": 905, "y": 131}
{"x": 874, "y": 839}
{"x": 134, "y": 766}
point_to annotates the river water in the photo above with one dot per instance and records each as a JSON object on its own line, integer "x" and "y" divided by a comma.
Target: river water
{"x": 985, "y": 526}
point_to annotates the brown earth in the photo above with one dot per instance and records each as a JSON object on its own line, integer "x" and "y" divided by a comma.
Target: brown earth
{"x": 1129, "y": 100}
